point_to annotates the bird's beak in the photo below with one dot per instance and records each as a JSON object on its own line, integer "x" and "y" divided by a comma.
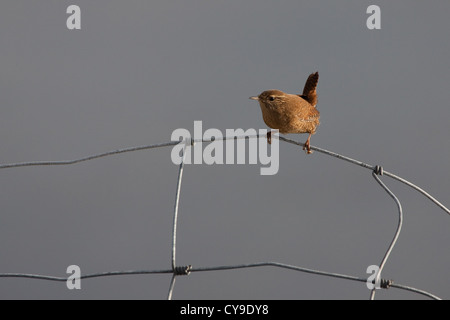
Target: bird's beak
{"x": 254, "y": 98}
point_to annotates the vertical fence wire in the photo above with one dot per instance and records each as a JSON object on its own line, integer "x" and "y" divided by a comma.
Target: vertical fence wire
{"x": 397, "y": 233}
{"x": 175, "y": 220}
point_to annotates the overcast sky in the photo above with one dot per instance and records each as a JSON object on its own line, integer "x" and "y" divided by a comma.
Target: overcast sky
{"x": 138, "y": 70}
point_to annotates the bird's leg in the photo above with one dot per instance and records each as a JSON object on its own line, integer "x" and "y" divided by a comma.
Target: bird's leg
{"x": 269, "y": 137}
{"x": 307, "y": 146}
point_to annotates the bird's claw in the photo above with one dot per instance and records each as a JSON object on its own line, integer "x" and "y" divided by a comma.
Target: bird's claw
{"x": 307, "y": 147}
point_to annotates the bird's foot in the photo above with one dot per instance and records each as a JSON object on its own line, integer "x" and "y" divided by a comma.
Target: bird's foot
{"x": 269, "y": 137}
{"x": 307, "y": 147}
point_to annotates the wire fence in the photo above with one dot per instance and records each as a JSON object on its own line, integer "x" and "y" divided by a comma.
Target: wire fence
{"x": 177, "y": 271}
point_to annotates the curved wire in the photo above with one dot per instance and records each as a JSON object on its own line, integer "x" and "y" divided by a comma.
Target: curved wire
{"x": 370, "y": 167}
{"x": 175, "y": 221}
{"x": 397, "y": 233}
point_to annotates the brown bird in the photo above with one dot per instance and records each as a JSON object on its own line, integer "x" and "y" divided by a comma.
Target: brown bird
{"x": 291, "y": 113}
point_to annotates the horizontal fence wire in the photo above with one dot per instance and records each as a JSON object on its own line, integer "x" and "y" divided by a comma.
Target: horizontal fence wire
{"x": 215, "y": 268}
{"x": 186, "y": 270}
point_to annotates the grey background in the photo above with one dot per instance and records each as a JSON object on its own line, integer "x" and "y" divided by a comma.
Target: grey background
{"x": 137, "y": 70}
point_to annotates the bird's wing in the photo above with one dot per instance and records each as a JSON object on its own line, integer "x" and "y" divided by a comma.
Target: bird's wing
{"x": 308, "y": 114}
{"x": 309, "y": 92}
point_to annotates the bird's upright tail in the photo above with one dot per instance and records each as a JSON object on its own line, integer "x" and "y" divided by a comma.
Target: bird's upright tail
{"x": 309, "y": 92}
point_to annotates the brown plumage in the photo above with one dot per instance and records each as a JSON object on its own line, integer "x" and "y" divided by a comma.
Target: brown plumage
{"x": 291, "y": 113}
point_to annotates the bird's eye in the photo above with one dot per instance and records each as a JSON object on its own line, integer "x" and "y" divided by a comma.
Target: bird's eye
{"x": 271, "y": 98}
